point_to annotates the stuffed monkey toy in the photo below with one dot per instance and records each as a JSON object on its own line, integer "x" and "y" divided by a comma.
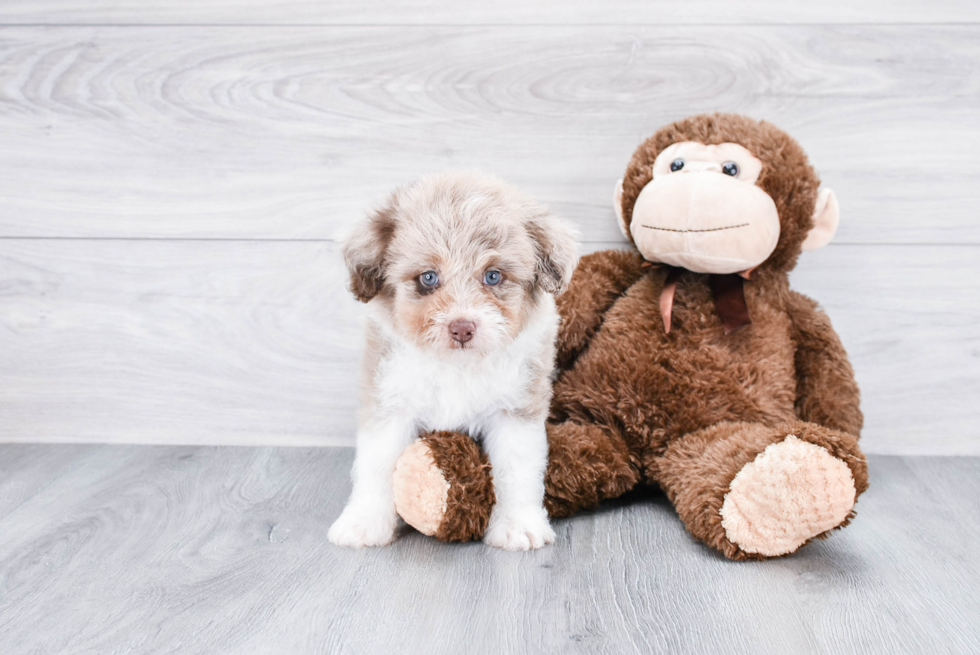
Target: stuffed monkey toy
{"x": 689, "y": 363}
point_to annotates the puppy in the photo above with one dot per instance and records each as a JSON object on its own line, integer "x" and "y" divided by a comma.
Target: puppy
{"x": 459, "y": 272}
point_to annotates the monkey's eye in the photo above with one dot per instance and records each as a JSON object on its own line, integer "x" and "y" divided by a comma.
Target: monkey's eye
{"x": 429, "y": 279}
{"x": 730, "y": 168}
{"x": 491, "y": 278}
{"x": 676, "y": 165}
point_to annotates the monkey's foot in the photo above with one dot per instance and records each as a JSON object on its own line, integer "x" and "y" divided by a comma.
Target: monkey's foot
{"x": 752, "y": 491}
{"x": 791, "y": 492}
{"x": 443, "y": 487}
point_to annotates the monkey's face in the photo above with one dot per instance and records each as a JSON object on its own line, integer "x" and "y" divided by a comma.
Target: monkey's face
{"x": 703, "y": 210}
{"x": 724, "y": 193}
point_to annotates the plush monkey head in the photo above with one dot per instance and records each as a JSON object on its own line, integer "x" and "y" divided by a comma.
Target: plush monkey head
{"x": 722, "y": 193}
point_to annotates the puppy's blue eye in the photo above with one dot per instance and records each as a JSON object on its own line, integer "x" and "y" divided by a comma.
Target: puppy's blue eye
{"x": 429, "y": 278}
{"x": 730, "y": 168}
{"x": 492, "y": 278}
{"x": 676, "y": 165}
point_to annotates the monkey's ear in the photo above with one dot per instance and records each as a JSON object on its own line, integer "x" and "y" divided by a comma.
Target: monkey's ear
{"x": 826, "y": 217}
{"x": 365, "y": 249}
{"x": 618, "y": 208}
{"x": 556, "y": 247}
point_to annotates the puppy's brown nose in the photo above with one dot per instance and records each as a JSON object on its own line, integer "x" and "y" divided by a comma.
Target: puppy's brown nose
{"x": 462, "y": 331}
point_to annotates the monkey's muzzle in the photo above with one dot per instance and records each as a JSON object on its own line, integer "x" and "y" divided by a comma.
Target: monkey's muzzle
{"x": 705, "y": 221}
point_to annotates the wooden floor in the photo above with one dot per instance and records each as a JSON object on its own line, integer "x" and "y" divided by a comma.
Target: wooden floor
{"x": 153, "y": 549}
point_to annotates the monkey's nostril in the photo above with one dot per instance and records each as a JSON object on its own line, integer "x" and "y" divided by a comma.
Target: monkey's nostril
{"x": 462, "y": 331}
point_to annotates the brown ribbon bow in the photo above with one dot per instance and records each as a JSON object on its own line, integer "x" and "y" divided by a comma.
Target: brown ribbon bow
{"x": 728, "y": 292}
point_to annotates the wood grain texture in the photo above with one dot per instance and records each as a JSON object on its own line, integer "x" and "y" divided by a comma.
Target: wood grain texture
{"x": 139, "y": 549}
{"x": 908, "y": 316}
{"x": 177, "y": 342}
{"x": 281, "y": 132}
{"x": 258, "y": 342}
{"x": 468, "y": 12}
{"x": 171, "y": 196}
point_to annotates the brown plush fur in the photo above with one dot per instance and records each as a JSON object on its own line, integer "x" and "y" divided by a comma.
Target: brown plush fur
{"x": 688, "y": 409}
{"x": 582, "y": 472}
{"x": 471, "y": 495}
{"x": 696, "y": 471}
{"x": 585, "y": 467}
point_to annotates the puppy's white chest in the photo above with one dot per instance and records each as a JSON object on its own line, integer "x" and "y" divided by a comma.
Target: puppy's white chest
{"x": 448, "y": 395}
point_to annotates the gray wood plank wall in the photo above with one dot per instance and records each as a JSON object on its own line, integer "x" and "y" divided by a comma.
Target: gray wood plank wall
{"x": 499, "y": 12}
{"x": 174, "y": 178}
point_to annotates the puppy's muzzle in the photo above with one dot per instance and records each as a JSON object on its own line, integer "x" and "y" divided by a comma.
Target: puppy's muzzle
{"x": 462, "y": 331}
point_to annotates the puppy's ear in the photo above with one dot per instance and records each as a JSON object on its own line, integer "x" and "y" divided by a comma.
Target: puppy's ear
{"x": 556, "y": 248}
{"x": 365, "y": 251}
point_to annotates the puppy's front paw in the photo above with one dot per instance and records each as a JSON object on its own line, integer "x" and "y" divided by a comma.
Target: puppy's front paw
{"x": 519, "y": 530}
{"x": 357, "y": 528}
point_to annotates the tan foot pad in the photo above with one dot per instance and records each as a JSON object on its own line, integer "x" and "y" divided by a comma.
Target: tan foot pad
{"x": 421, "y": 490}
{"x": 792, "y": 491}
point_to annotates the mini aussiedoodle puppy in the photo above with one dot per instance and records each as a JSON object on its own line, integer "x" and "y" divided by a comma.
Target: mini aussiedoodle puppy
{"x": 459, "y": 272}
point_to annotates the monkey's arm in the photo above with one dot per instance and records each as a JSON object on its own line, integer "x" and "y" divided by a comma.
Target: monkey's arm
{"x": 826, "y": 391}
{"x": 599, "y": 279}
